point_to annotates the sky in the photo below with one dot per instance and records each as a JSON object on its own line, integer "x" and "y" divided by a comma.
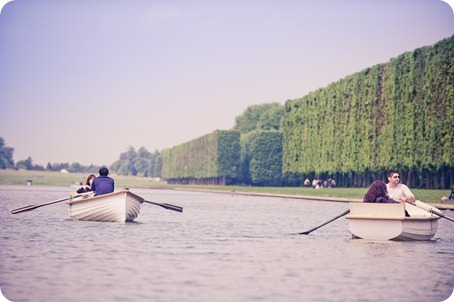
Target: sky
{"x": 82, "y": 81}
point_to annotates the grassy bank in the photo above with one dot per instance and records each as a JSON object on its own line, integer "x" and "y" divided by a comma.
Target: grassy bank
{"x": 48, "y": 178}
{"x": 44, "y": 178}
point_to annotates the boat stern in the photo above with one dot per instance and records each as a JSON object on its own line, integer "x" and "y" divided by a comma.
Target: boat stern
{"x": 373, "y": 221}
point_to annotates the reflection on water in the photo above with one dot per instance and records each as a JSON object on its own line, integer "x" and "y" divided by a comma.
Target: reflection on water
{"x": 222, "y": 248}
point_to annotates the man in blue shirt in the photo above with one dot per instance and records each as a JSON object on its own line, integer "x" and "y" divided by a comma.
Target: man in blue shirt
{"x": 103, "y": 184}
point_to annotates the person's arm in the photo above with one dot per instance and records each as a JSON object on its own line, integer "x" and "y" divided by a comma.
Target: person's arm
{"x": 408, "y": 195}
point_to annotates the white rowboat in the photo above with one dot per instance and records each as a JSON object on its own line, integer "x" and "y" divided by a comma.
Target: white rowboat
{"x": 387, "y": 221}
{"x": 121, "y": 206}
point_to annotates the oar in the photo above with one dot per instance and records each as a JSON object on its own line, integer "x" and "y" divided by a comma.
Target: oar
{"x": 32, "y": 207}
{"x": 167, "y": 206}
{"x": 429, "y": 209}
{"x": 311, "y": 230}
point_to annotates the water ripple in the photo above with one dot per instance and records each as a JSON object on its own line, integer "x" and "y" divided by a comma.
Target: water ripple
{"x": 222, "y": 248}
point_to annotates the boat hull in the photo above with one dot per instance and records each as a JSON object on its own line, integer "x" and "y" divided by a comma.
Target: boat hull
{"x": 372, "y": 221}
{"x": 122, "y": 206}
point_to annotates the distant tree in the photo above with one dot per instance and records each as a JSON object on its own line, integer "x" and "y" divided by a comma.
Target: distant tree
{"x": 6, "y": 155}
{"x": 143, "y": 153}
{"x": 271, "y": 119}
{"x": 157, "y": 167}
{"x": 38, "y": 168}
{"x": 75, "y": 167}
{"x": 260, "y": 117}
{"x": 58, "y": 166}
{"x": 26, "y": 164}
{"x": 140, "y": 162}
{"x": 141, "y": 166}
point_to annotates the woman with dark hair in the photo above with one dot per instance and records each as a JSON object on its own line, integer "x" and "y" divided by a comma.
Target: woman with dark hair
{"x": 378, "y": 193}
{"x": 87, "y": 187}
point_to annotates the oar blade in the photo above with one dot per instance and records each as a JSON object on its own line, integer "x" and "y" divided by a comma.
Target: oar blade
{"x": 32, "y": 207}
{"x": 305, "y": 233}
{"x": 166, "y": 206}
{"x": 172, "y": 207}
{"x": 24, "y": 209}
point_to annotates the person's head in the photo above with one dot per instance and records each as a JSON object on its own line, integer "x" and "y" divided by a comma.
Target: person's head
{"x": 90, "y": 179}
{"x": 377, "y": 189}
{"x": 393, "y": 177}
{"x": 103, "y": 171}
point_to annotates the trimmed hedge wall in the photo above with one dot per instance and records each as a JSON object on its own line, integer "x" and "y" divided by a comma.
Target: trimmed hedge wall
{"x": 397, "y": 115}
{"x": 261, "y": 158}
{"x": 213, "y": 158}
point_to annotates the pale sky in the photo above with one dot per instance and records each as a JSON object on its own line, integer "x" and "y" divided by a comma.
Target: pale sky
{"x": 81, "y": 81}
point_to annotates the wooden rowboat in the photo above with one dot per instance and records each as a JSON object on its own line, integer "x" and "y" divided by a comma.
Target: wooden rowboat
{"x": 387, "y": 221}
{"x": 121, "y": 206}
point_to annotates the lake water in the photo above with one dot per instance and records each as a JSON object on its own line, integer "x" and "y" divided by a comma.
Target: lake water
{"x": 223, "y": 247}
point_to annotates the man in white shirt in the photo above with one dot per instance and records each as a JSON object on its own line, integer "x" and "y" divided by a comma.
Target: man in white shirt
{"x": 398, "y": 191}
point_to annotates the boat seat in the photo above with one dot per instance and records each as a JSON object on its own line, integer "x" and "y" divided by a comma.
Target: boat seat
{"x": 361, "y": 210}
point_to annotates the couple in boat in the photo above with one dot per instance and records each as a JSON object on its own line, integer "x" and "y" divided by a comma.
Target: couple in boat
{"x": 102, "y": 184}
{"x": 392, "y": 192}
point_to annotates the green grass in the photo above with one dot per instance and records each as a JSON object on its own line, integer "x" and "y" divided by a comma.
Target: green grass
{"x": 45, "y": 178}
{"x": 48, "y": 178}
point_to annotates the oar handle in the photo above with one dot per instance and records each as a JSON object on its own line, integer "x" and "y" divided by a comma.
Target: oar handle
{"x": 430, "y": 209}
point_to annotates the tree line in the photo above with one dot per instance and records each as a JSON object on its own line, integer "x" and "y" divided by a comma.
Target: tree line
{"x": 396, "y": 115}
{"x": 7, "y": 162}
{"x": 210, "y": 160}
{"x": 250, "y": 153}
{"x": 132, "y": 162}
{"x": 139, "y": 163}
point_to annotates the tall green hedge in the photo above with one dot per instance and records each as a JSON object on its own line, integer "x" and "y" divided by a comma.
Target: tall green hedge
{"x": 397, "y": 115}
{"x": 215, "y": 155}
{"x": 261, "y": 158}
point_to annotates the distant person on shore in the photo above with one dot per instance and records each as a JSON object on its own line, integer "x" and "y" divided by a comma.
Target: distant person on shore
{"x": 398, "y": 191}
{"x": 103, "y": 184}
{"x": 378, "y": 193}
{"x": 451, "y": 197}
{"x": 314, "y": 183}
{"x": 88, "y": 184}
{"x": 307, "y": 182}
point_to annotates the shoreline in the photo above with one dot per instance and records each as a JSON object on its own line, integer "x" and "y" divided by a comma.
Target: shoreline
{"x": 334, "y": 199}
{"x": 441, "y": 206}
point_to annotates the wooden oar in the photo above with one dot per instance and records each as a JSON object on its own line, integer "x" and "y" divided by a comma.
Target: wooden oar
{"x": 166, "y": 206}
{"x": 32, "y": 207}
{"x": 428, "y": 208}
{"x": 311, "y": 230}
